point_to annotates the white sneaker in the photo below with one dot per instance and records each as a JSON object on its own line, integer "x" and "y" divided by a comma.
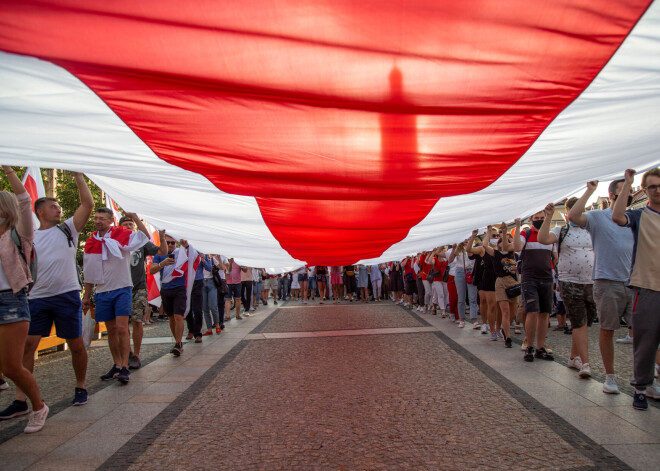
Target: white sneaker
{"x": 484, "y": 329}
{"x": 611, "y": 386}
{"x": 653, "y": 391}
{"x": 626, "y": 339}
{"x": 657, "y": 370}
{"x": 37, "y": 420}
{"x": 575, "y": 363}
{"x": 585, "y": 371}
{"x": 476, "y": 325}
{"x": 461, "y": 324}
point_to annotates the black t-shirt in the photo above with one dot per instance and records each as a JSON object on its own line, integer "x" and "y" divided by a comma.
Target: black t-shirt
{"x": 138, "y": 268}
{"x": 504, "y": 264}
{"x": 350, "y": 268}
{"x": 321, "y": 270}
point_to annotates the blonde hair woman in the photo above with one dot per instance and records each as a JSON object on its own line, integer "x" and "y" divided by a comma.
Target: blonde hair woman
{"x": 16, "y": 220}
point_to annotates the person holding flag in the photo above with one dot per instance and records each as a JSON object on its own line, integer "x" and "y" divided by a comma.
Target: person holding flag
{"x": 106, "y": 263}
{"x": 177, "y": 270}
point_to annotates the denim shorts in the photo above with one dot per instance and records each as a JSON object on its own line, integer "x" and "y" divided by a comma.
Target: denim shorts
{"x": 234, "y": 291}
{"x": 13, "y": 307}
{"x": 64, "y": 310}
{"x": 112, "y": 304}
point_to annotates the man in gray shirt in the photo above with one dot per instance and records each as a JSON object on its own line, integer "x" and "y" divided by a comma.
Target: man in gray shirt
{"x": 613, "y": 247}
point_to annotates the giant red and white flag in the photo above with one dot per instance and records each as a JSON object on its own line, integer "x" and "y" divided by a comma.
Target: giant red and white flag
{"x": 34, "y": 184}
{"x": 283, "y": 132}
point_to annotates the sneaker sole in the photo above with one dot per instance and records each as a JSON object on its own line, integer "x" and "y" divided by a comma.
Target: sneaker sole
{"x": 15, "y": 414}
{"x": 79, "y": 403}
{"x": 124, "y": 381}
{"x": 611, "y": 392}
{"x": 584, "y": 375}
{"x": 109, "y": 379}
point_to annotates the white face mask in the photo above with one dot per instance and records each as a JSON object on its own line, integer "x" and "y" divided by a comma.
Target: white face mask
{"x": 494, "y": 241}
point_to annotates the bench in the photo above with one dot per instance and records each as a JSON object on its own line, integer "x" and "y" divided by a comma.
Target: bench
{"x": 54, "y": 341}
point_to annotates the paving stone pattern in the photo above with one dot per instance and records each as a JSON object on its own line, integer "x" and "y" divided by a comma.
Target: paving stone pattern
{"x": 407, "y": 401}
{"x": 56, "y": 379}
{"x": 297, "y": 318}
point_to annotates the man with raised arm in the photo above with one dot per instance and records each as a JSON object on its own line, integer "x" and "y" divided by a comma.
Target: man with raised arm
{"x": 612, "y": 258}
{"x": 645, "y": 280}
{"x": 106, "y": 263}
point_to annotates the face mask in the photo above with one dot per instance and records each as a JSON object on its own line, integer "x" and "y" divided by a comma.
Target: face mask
{"x": 630, "y": 199}
{"x": 537, "y": 224}
{"x": 494, "y": 241}
{"x": 573, "y": 224}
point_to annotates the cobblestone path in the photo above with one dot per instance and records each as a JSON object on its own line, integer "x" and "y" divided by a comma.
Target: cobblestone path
{"x": 381, "y": 401}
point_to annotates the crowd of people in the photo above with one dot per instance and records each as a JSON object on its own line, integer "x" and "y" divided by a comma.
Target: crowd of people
{"x": 601, "y": 266}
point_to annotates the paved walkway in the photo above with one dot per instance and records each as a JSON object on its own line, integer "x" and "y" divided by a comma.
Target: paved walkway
{"x": 346, "y": 387}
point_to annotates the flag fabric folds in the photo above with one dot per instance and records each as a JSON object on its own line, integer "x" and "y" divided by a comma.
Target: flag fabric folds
{"x": 329, "y": 132}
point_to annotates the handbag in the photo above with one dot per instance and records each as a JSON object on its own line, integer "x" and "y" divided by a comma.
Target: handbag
{"x": 468, "y": 274}
{"x": 513, "y": 291}
{"x": 445, "y": 275}
{"x": 409, "y": 277}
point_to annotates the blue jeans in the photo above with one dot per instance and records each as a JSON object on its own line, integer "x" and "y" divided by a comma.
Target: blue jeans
{"x": 210, "y": 304}
{"x": 283, "y": 288}
{"x": 472, "y": 292}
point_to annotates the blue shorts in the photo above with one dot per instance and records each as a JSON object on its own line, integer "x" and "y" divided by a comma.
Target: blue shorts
{"x": 112, "y": 304}
{"x": 303, "y": 277}
{"x": 65, "y": 310}
{"x": 13, "y": 307}
{"x": 234, "y": 291}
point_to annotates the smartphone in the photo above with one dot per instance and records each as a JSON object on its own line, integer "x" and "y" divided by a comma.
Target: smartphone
{"x": 171, "y": 255}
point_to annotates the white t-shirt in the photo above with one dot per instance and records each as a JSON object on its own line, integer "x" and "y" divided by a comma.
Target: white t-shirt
{"x": 56, "y": 262}
{"x": 458, "y": 262}
{"x": 576, "y": 257}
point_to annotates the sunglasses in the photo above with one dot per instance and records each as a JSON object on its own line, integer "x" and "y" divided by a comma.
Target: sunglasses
{"x": 171, "y": 243}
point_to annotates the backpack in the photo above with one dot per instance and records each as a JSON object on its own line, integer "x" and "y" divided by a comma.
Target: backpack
{"x": 32, "y": 264}
{"x": 66, "y": 230}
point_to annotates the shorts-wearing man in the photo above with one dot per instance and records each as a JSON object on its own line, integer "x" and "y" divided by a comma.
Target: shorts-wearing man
{"x": 575, "y": 268}
{"x": 172, "y": 290}
{"x": 139, "y": 278}
{"x": 233, "y": 274}
{"x": 106, "y": 264}
{"x": 536, "y": 284}
{"x": 613, "y": 246}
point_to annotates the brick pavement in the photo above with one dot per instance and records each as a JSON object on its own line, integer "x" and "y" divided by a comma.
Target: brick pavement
{"x": 406, "y": 401}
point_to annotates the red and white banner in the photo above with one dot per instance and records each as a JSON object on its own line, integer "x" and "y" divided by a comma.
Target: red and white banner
{"x": 34, "y": 184}
{"x": 283, "y": 135}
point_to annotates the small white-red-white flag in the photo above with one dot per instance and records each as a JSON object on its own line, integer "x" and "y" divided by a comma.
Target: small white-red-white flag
{"x": 110, "y": 203}
{"x": 34, "y": 185}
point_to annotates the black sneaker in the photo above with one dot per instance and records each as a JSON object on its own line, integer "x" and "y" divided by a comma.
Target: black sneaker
{"x": 568, "y": 330}
{"x": 124, "y": 376}
{"x": 639, "y": 401}
{"x": 507, "y": 343}
{"x": 543, "y": 354}
{"x": 134, "y": 362}
{"x": 112, "y": 374}
{"x": 80, "y": 397}
{"x": 17, "y": 408}
{"x": 529, "y": 354}
{"x": 596, "y": 321}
